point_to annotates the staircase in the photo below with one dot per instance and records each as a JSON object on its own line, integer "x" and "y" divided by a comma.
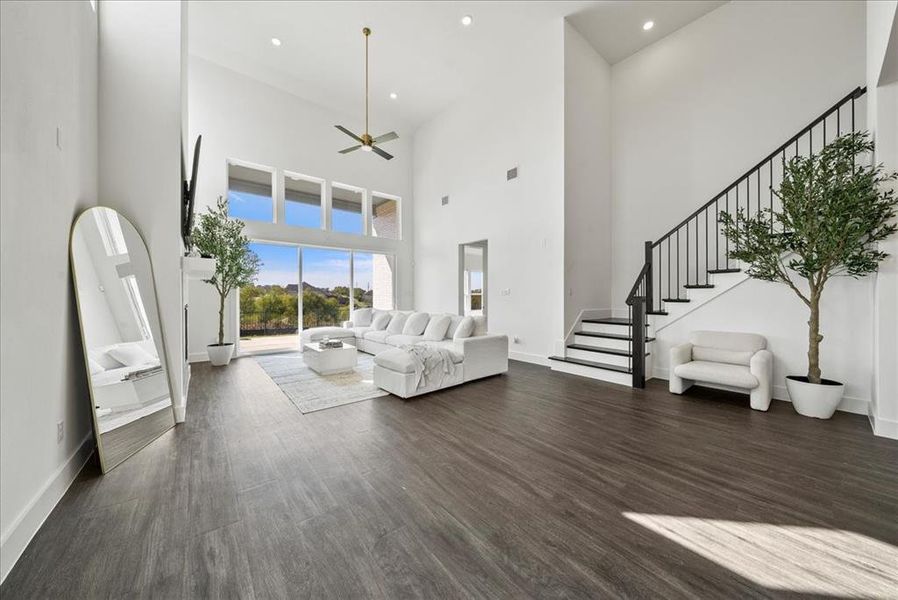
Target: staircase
{"x": 690, "y": 264}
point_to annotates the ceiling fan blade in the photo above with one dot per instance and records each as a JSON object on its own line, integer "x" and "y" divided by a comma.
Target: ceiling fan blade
{"x": 350, "y": 149}
{"x": 349, "y": 133}
{"x": 386, "y": 137}
{"x": 381, "y": 152}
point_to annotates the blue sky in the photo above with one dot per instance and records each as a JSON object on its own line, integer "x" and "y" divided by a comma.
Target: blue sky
{"x": 321, "y": 267}
{"x": 251, "y": 207}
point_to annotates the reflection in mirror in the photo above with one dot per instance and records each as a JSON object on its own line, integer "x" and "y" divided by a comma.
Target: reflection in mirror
{"x": 120, "y": 329}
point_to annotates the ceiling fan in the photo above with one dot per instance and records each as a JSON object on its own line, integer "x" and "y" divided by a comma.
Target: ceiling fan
{"x": 365, "y": 141}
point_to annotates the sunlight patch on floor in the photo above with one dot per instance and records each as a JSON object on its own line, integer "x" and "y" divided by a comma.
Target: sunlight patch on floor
{"x": 785, "y": 557}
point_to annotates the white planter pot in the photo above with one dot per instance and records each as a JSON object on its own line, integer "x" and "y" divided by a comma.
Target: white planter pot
{"x": 220, "y": 356}
{"x": 818, "y": 400}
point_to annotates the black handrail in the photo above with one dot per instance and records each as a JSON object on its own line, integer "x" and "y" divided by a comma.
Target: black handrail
{"x": 641, "y": 299}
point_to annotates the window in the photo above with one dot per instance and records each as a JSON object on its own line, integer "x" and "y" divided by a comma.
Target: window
{"x": 269, "y": 307}
{"x": 385, "y": 217}
{"x": 249, "y": 193}
{"x": 137, "y": 309}
{"x": 346, "y": 209}
{"x": 325, "y": 287}
{"x": 302, "y": 201}
{"x": 110, "y": 232}
{"x": 372, "y": 280}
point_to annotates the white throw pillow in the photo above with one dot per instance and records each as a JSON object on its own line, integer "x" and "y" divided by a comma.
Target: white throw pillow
{"x": 416, "y": 323}
{"x": 436, "y": 329}
{"x": 95, "y": 367}
{"x": 397, "y": 323}
{"x": 454, "y": 322}
{"x": 465, "y": 329}
{"x": 361, "y": 317}
{"x": 131, "y": 355}
{"x": 381, "y": 321}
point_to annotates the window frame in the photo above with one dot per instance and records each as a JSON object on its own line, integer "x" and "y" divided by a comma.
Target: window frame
{"x": 276, "y": 217}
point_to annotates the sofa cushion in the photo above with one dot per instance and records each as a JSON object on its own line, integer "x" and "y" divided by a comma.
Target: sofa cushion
{"x": 395, "y": 359}
{"x": 314, "y": 334}
{"x": 377, "y": 336}
{"x": 479, "y": 325}
{"x": 360, "y": 332}
{"x": 361, "y": 317}
{"x": 720, "y": 373}
{"x": 402, "y": 339}
{"x": 720, "y": 355}
{"x": 727, "y": 340}
{"x": 465, "y": 329}
{"x": 436, "y": 328}
{"x": 381, "y": 321}
{"x": 397, "y": 323}
{"x": 454, "y": 321}
{"x": 416, "y": 323}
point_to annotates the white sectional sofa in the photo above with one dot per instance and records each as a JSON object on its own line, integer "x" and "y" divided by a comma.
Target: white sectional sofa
{"x": 474, "y": 352}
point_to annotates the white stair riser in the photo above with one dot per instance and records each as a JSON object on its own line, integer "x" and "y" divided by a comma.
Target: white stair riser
{"x": 608, "y": 328}
{"x": 595, "y": 342}
{"x": 608, "y": 359}
{"x": 600, "y": 374}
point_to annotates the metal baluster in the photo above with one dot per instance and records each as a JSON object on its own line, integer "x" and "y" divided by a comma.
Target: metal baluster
{"x": 706, "y": 245}
{"x": 687, "y": 252}
{"x": 678, "y": 263}
{"x": 717, "y": 232}
{"x": 697, "y": 270}
{"x": 737, "y": 216}
{"x": 728, "y": 237}
{"x": 770, "y": 167}
{"x": 669, "y": 295}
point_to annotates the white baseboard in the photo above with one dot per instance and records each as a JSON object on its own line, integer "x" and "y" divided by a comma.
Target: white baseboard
{"x": 886, "y": 428}
{"x": 849, "y": 404}
{"x": 195, "y": 357}
{"x": 535, "y": 359}
{"x": 27, "y": 523}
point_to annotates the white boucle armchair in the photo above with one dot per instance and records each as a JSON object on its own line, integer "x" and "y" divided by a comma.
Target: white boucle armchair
{"x": 738, "y": 360}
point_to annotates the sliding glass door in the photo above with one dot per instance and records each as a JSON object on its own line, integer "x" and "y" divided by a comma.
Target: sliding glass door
{"x": 277, "y": 306}
{"x": 269, "y": 308}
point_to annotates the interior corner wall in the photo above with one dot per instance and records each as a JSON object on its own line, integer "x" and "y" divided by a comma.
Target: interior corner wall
{"x": 695, "y": 110}
{"x": 48, "y": 80}
{"x": 140, "y": 122}
{"x": 882, "y": 119}
{"x": 242, "y": 118}
{"x": 514, "y": 119}
{"x": 587, "y": 178}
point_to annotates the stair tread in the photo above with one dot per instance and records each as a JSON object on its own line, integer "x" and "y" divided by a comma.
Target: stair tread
{"x": 589, "y": 363}
{"x": 613, "y": 336}
{"x": 713, "y": 271}
{"x": 698, "y": 286}
{"x": 610, "y": 321}
{"x": 613, "y": 351}
{"x": 675, "y": 300}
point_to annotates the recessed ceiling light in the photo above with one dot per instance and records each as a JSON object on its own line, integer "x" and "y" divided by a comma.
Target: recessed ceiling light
{"x": 467, "y": 20}
{"x": 275, "y": 42}
{"x": 393, "y": 95}
{"x": 648, "y": 25}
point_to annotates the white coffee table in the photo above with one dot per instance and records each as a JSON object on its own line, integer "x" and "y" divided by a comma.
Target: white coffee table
{"x": 326, "y": 361}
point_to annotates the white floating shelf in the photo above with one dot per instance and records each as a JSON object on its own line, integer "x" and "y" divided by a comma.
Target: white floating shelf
{"x": 195, "y": 267}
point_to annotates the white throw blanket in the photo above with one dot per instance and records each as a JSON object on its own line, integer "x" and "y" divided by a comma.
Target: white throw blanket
{"x": 432, "y": 365}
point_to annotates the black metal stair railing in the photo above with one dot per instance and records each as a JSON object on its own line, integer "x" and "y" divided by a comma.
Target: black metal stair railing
{"x": 685, "y": 256}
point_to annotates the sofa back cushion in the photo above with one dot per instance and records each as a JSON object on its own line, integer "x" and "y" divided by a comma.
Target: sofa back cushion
{"x": 727, "y": 340}
{"x": 361, "y": 317}
{"x": 416, "y": 323}
{"x": 436, "y": 328}
{"x": 381, "y": 321}
{"x": 465, "y": 328}
{"x": 454, "y": 321}
{"x": 479, "y": 325}
{"x": 397, "y": 322}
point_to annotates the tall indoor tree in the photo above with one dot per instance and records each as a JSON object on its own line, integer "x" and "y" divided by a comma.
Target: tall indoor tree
{"x": 221, "y": 237}
{"x": 835, "y": 207}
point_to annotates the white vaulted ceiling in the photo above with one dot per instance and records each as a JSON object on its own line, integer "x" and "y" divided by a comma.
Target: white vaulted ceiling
{"x": 419, "y": 50}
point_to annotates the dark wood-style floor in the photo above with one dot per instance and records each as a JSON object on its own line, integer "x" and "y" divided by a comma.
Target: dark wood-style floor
{"x": 518, "y": 486}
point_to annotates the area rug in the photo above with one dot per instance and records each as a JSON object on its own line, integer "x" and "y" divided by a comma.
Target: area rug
{"x": 309, "y": 391}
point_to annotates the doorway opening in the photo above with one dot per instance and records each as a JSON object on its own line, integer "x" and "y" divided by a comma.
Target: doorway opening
{"x": 472, "y": 278}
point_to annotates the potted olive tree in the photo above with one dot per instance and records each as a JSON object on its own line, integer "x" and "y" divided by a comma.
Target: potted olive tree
{"x": 219, "y": 236}
{"x": 834, "y": 211}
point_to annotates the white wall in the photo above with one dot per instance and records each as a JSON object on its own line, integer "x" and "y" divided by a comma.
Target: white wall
{"x": 140, "y": 143}
{"x": 48, "y": 79}
{"x": 882, "y": 118}
{"x": 241, "y": 118}
{"x": 587, "y": 178}
{"x": 693, "y": 112}
{"x": 515, "y": 119}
